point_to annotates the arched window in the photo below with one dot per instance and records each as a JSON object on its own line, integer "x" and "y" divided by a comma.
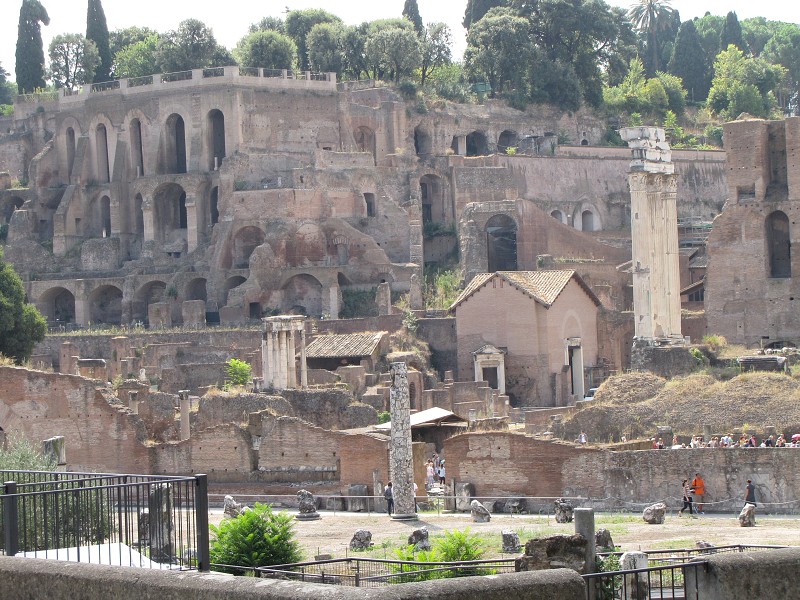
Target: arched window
{"x": 214, "y": 205}
{"x": 422, "y": 141}
{"x": 101, "y": 143}
{"x": 70, "y": 151}
{"x": 137, "y": 149}
{"x": 587, "y": 221}
{"x": 477, "y": 144}
{"x": 175, "y": 150}
{"x": 779, "y": 245}
{"x": 216, "y": 141}
{"x": 558, "y": 216}
{"x": 501, "y": 243}
{"x": 105, "y": 216}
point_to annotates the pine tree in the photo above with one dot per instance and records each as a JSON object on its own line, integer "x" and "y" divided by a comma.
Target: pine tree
{"x": 411, "y": 12}
{"x": 731, "y": 33}
{"x": 688, "y": 62}
{"x": 97, "y": 31}
{"x": 30, "y": 49}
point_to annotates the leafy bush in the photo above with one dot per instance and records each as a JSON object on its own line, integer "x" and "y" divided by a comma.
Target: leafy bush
{"x": 239, "y": 372}
{"x": 715, "y": 342}
{"x": 256, "y": 538}
{"x": 358, "y": 303}
{"x": 384, "y": 417}
{"x": 608, "y": 588}
{"x": 453, "y": 546}
{"x": 441, "y": 289}
{"x": 459, "y": 546}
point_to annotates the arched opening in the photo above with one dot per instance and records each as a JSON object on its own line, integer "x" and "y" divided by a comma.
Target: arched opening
{"x": 137, "y": 149}
{"x": 558, "y": 216}
{"x": 214, "y": 205}
{"x": 477, "y": 144}
{"x": 302, "y": 295}
{"x": 434, "y": 207}
{"x": 422, "y": 141}
{"x": 231, "y": 283}
{"x": 57, "y": 305}
{"x": 169, "y": 213}
{"x": 365, "y": 141}
{"x": 138, "y": 214}
{"x": 196, "y": 289}
{"x": 501, "y": 243}
{"x": 245, "y": 242}
{"x": 149, "y": 293}
{"x": 175, "y": 151}
{"x": 105, "y": 305}
{"x": 105, "y": 216}
{"x": 8, "y": 206}
{"x": 70, "y": 141}
{"x": 216, "y": 141}
{"x": 779, "y": 245}
{"x": 508, "y": 139}
{"x": 101, "y": 143}
{"x": 587, "y": 221}
{"x": 369, "y": 201}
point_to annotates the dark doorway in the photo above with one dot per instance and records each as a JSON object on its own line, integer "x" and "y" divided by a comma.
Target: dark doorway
{"x": 501, "y": 243}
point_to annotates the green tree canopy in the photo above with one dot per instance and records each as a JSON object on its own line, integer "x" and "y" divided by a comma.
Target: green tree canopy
{"x": 268, "y": 24}
{"x": 756, "y": 32}
{"x": 688, "y": 62}
{"x": 325, "y": 47}
{"x": 396, "y": 51}
{"x": 6, "y": 88}
{"x": 73, "y": 60}
{"x": 30, "y": 48}
{"x": 731, "y": 32}
{"x": 21, "y": 325}
{"x": 97, "y": 31}
{"x": 436, "y": 43}
{"x": 411, "y": 12}
{"x": 138, "y": 59}
{"x": 299, "y": 24}
{"x": 783, "y": 48}
{"x": 266, "y": 49}
{"x": 191, "y": 46}
{"x": 477, "y": 9}
{"x": 496, "y": 49}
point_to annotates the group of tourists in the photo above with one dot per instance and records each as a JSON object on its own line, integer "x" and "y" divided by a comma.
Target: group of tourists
{"x": 728, "y": 441}
{"x": 434, "y": 473}
{"x": 693, "y": 492}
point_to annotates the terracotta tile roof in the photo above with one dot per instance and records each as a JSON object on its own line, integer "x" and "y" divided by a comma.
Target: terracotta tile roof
{"x": 543, "y": 286}
{"x": 344, "y": 345}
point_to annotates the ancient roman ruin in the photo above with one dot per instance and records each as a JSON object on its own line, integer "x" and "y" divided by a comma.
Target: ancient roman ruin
{"x": 274, "y": 202}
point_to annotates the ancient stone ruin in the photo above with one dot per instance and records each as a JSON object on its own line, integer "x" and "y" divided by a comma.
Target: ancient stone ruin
{"x": 655, "y": 513}
{"x": 307, "y": 506}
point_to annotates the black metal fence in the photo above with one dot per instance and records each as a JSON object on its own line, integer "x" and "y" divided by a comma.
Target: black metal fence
{"x": 375, "y": 572}
{"x": 649, "y": 583}
{"x": 157, "y": 522}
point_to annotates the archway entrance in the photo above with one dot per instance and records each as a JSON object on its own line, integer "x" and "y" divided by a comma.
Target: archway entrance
{"x": 501, "y": 243}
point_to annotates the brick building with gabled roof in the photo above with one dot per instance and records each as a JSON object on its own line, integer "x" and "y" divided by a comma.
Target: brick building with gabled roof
{"x": 544, "y": 323}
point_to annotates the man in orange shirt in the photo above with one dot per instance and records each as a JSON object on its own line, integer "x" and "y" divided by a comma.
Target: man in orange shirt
{"x": 699, "y": 487}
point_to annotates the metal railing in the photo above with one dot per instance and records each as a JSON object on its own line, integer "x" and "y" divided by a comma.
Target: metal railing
{"x": 214, "y": 72}
{"x": 176, "y": 76}
{"x": 105, "y": 86}
{"x": 375, "y": 572}
{"x": 139, "y": 81}
{"x": 644, "y": 584}
{"x": 156, "y": 522}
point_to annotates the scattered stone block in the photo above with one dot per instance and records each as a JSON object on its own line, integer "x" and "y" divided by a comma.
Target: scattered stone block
{"x": 479, "y": 512}
{"x": 706, "y": 547}
{"x": 362, "y": 540}
{"x": 554, "y": 552}
{"x": 514, "y": 506}
{"x": 308, "y": 506}
{"x": 334, "y": 503}
{"x": 510, "y": 541}
{"x": 354, "y": 502}
{"x": 231, "y": 508}
{"x": 563, "y": 511}
{"x": 636, "y": 584}
{"x": 54, "y": 449}
{"x": 747, "y": 518}
{"x": 655, "y": 513}
{"x": 602, "y": 539}
{"x": 419, "y": 539}
{"x": 464, "y": 494}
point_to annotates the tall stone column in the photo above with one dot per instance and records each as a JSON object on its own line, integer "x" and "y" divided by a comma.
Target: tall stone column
{"x": 266, "y": 357}
{"x": 192, "y": 225}
{"x": 185, "y": 414}
{"x": 282, "y": 375}
{"x": 148, "y": 219}
{"x": 291, "y": 370}
{"x": 401, "y": 464}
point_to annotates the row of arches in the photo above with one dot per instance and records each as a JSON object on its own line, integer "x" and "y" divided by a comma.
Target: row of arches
{"x": 475, "y": 143}
{"x": 584, "y": 219}
{"x": 171, "y": 156}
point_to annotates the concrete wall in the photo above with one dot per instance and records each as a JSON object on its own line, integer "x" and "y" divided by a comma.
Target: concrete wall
{"x": 33, "y": 579}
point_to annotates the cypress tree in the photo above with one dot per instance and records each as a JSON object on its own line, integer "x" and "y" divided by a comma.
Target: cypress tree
{"x": 411, "y": 12}
{"x": 30, "y": 49}
{"x": 731, "y": 33}
{"x": 97, "y": 31}
{"x": 688, "y": 62}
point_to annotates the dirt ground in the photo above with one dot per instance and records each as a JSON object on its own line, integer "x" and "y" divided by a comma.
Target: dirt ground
{"x": 332, "y": 533}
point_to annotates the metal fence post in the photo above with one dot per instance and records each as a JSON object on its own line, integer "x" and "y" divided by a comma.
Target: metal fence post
{"x": 201, "y": 521}
{"x": 11, "y": 518}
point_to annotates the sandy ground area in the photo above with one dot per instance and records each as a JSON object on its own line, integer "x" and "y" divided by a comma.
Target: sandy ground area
{"x": 332, "y": 533}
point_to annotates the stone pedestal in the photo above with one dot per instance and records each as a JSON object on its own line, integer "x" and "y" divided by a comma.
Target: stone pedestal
{"x": 636, "y": 584}
{"x": 307, "y": 506}
{"x": 161, "y": 530}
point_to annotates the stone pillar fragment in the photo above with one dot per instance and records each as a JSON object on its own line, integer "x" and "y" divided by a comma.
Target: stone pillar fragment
{"x": 383, "y": 298}
{"x": 160, "y": 505}
{"x": 185, "y": 413}
{"x": 584, "y": 525}
{"x": 400, "y": 450}
{"x": 133, "y": 402}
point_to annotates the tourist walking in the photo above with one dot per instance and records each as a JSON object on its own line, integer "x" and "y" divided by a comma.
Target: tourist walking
{"x": 429, "y": 474}
{"x": 698, "y": 486}
{"x": 687, "y": 498}
{"x": 750, "y": 493}
{"x": 441, "y": 472}
{"x": 387, "y": 493}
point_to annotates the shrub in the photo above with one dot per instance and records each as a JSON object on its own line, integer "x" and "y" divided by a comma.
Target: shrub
{"x": 239, "y": 372}
{"x": 715, "y": 342}
{"x": 384, "y": 417}
{"x": 256, "y": 538}
{"x": 459, "y": 546}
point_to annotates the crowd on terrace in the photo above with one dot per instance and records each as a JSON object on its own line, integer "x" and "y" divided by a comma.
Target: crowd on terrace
{"x": 728, "y": 441}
